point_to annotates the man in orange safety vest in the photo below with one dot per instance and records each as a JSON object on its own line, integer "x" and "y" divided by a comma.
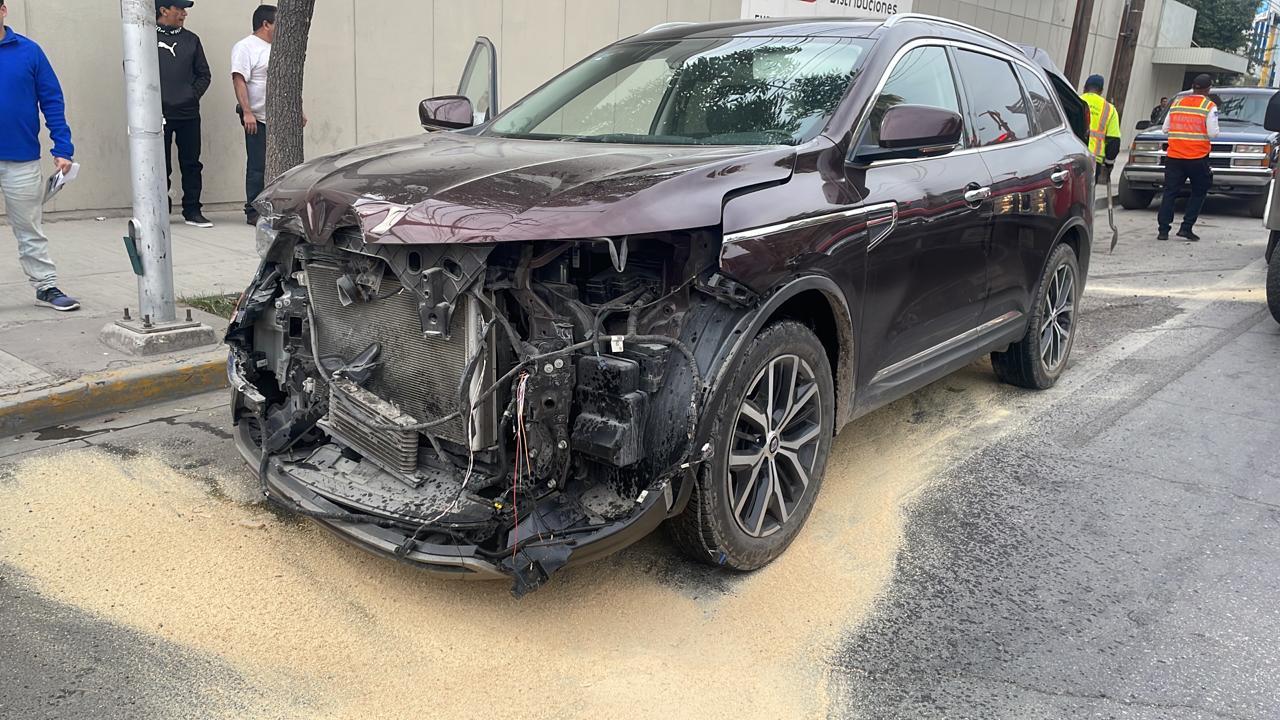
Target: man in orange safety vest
{"x": 1192, "y": 123}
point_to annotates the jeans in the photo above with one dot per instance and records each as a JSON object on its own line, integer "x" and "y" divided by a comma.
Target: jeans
{"x": 187, "y": 133}
{"x": 1176, "y": 172}
{"x": 23, "y": 186}
{"x": 256, "y": 167}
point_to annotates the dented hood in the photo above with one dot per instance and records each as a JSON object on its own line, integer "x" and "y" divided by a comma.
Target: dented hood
{"x": 456, "y": 188}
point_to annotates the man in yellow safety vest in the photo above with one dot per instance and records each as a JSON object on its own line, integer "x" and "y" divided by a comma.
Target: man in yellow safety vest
{"x": 1104, "y": 127}
{"x": 1192, "y": 122}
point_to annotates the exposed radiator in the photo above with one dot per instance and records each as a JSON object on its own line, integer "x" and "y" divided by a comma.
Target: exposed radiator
{"x": 416, "y": 374}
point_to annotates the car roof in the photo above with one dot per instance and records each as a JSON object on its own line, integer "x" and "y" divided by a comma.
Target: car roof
{"x": 770, "y": 27}
{"x": 1234, "y": 90}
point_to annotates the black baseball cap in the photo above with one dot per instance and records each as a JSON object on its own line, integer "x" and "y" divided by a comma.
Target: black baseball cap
{"x": 184, "y": 4}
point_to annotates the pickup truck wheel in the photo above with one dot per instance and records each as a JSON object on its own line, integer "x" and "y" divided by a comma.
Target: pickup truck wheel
{"x": 1258, "y": 205}
{"x": 772, "y": 436}
{"x": 1038, "y": 359}
{"x": 1273, "y": 285}
{"x": 1131, "y": 199}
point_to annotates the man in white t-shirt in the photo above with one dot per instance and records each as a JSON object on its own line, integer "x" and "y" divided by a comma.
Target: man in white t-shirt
{"x": 250, "y": 59}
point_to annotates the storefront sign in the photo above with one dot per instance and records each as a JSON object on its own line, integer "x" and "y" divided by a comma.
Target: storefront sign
{"x": 824, "y": 8}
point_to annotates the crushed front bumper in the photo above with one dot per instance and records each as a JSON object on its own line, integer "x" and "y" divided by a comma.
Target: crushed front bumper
{"x": 454, "y": 560}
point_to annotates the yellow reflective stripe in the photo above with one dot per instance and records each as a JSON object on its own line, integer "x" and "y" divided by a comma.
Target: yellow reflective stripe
{"x": 1189, "y": 136}
{"x": 1106, "y": 116}
{"x": 1195, "y": 112}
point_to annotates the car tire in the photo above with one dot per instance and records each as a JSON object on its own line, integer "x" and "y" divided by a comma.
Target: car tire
{"x": 1258, "y": 206}
{"x": 1039, "y": 358}
{"x": 1273, "y": 285}
{"x": 1131, "y": 199}
{"x": 764, "y": 468}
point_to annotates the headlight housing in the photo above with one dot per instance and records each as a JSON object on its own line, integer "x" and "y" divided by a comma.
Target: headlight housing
{"x": 266, "y": 236}
{"x": 1146, "y": 147}
{"x": 1250, "y": 149}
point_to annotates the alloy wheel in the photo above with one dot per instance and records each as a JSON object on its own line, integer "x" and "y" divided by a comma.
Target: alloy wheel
{"x": 776, "y": 436}
{"x": 1059, "y": 318}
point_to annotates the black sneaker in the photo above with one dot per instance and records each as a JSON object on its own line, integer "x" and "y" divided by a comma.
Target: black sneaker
{"x": 1162, "y": 235}
{"x": 1188, "y": 235}
{"x": 56, "y": 299}
{"x": 195, "y": 219}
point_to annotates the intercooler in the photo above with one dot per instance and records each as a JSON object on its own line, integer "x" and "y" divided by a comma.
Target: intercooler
{"x": 417, "y": 375}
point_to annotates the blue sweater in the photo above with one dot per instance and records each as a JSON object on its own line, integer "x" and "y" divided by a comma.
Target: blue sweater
{"x": 27, "y": 88}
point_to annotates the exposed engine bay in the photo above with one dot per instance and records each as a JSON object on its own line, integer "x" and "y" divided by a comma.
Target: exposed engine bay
{"x": 480, "y": 408}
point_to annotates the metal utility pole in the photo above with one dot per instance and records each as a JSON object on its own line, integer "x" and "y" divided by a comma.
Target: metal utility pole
{"x": 1079, "y": 40}
{"x": 1126, "y": 46}
{"x": 156, "y": 329}
{"x": 146, "y": 160}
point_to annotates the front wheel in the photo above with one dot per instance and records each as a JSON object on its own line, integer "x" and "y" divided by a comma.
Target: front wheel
{"x": 772, "y": 434}
{"x": 1131, "y": 199}
{"x": 1038, "y": 359}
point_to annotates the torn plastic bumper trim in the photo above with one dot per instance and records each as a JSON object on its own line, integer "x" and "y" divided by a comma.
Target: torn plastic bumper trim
{"x": 456, "y": 561}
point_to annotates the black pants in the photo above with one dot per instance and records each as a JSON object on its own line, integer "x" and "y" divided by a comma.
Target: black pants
{"x": 1176, "y": 172}
{"x": 187, "y": 133}
{"x": 256, "y": 167}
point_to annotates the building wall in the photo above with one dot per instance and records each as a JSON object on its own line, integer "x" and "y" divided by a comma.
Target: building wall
{"x": 368, "y": 65}
{"x": 371, "y": 61}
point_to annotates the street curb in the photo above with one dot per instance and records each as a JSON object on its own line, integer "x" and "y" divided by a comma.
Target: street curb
{"x": 112, "y": 390}
{"x": 1100, "y": 203}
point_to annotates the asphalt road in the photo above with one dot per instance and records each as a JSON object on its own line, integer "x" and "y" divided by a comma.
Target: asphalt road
{"x": 1109, "y": 548}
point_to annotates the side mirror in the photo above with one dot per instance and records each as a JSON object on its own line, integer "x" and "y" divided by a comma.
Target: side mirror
{"x": 1142, "y": 125}
{"x": 447, "y": 112}
{"x": 1272, "y": 120}
{"x": 913, "y": 131}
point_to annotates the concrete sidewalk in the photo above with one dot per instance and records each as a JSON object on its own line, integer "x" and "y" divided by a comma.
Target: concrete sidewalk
{"x": 53, "y": 368}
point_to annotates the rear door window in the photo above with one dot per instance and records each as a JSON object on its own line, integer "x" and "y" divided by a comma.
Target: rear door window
{"x": 999, "y": 111}
{"x": 921, "y": 77}
{"x": 1042, "y": 106}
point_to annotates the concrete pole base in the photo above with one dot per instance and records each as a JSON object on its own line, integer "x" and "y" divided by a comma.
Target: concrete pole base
{"x": 135, "y": 338}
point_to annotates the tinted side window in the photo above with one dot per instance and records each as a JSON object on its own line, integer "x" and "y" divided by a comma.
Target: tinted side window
{"x": 999, "y": 111}
{"x": 1046, "y": 113}
{"x": 921, "y": 77}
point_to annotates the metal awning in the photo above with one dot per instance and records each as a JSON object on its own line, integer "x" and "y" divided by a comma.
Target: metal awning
{"x": 1201, "y": 59}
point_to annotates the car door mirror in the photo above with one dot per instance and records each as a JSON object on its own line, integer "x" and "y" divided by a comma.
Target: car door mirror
{"x": 447, "y": 112}
{"x": 913, "y": 131}
{"x": 1142, "y": 125}
{"x": 1272, "y": 120}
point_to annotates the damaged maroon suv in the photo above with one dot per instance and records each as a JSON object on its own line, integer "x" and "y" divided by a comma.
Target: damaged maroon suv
{"x": 654, "y": 290}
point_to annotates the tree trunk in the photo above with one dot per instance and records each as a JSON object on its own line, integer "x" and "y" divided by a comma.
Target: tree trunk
{"x": 284, "y": 85}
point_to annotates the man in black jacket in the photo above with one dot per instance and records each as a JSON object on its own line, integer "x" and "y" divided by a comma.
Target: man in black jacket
{"x": 184, "y": 78}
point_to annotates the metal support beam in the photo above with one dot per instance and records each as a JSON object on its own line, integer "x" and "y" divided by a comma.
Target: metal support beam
{"x": 146, "y": 160}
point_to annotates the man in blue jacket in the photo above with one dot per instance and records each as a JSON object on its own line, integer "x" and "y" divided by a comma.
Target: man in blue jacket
{"x": 28, "y": 87}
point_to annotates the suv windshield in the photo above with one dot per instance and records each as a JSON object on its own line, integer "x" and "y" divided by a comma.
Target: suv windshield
{"x": 1250, "y": 107}
{"x": 717, "y": 91}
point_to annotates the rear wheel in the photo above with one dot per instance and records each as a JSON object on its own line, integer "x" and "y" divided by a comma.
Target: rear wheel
{"x": 772, "y": 435}
{"x": 1131, "y": 199}
{"x": 1038, "y": 359}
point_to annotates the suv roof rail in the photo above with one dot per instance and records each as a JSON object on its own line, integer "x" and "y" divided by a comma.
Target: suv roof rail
{"x": 920, "y": 17}
{"x": 665, "y": 25}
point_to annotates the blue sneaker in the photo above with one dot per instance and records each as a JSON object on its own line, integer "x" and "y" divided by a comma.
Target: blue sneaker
{"x": 54, "y": 298}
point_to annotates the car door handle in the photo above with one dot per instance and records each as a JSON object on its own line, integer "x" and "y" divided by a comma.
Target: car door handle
{"x": 977, "y": 195}
{"x": 1060, "y": 177}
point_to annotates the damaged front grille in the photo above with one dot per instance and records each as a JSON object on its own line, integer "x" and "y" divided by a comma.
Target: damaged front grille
{"x": 417, "y": 375}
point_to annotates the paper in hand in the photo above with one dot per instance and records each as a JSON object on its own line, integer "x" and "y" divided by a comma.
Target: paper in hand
{"x": 58, "y": 180}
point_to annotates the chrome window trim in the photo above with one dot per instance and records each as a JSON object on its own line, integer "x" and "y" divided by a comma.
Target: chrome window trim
{"x": 864, "y": 114}
{"x": 925, "y": 355}
{"x": 766, "y": 230}
{"x": 921, "y": 17}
